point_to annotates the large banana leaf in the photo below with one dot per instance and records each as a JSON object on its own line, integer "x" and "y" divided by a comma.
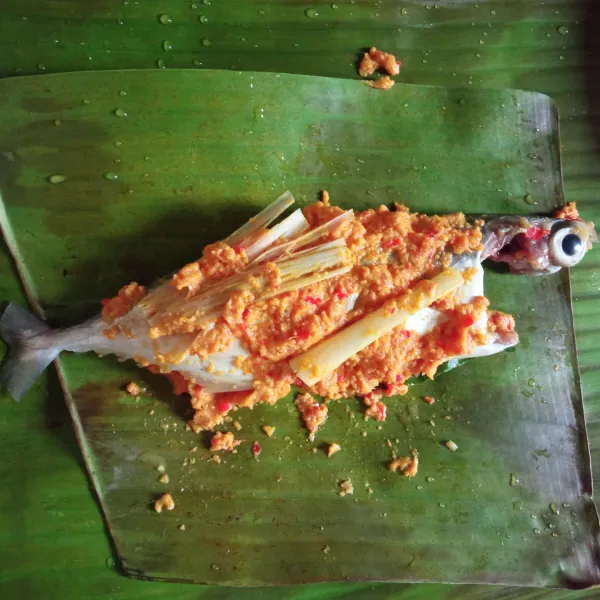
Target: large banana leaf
{"x": 197, "y": 154}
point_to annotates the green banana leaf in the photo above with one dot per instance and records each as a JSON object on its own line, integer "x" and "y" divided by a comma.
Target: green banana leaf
{"x": 151, "y": 167}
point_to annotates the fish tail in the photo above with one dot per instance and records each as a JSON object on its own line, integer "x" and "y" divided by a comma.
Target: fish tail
{"x": 29, "y": 350}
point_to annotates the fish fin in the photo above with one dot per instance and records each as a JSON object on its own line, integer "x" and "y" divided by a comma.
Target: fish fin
{"x": 28, "y": 355}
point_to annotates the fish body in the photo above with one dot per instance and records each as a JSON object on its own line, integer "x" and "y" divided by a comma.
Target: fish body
{"x": 529, "y": 245}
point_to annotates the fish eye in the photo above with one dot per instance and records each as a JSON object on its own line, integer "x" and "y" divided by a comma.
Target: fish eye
{"x": 567, "y": 247}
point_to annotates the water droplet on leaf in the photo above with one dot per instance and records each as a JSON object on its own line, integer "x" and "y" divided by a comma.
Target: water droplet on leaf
{"x": 120, "y": 112}
{"x": 206, "y": 42}
{"x": 562, "y": 30}
{"x": 56, "y": 179}
{"x": 311, "y": 13}
{"x": 203, "y": 19}
{"x": 165, "y": 19}
{"x": 160, "y": 63}
{"x": 110, "y": 176}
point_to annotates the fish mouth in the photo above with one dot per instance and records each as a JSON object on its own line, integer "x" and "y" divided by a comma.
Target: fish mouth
{"x": 536, "y": 245}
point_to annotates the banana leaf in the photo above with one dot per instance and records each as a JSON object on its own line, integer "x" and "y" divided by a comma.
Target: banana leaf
{"x": 154, "y": 165}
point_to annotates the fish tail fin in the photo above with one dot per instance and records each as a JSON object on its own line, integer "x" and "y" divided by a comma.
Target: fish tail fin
{"x": 29, "y": 352}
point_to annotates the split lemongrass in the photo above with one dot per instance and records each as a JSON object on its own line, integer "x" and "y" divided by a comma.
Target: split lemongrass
{"x": 309, "y": 237}
{"x": 295, "y": 272}
{"x": 288, "y": 228}
{"x": 314, "y": 234}
{"x": 261, "y": 220}
{"x": 320, "y": 360}
{"x": 294, "y": 267}
{"x": 201, "y": 321}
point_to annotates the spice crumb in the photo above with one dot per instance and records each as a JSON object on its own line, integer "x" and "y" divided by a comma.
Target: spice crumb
{"x": 256, "y": 449}
{"x": 181, "y": 527}
{"x": 269, "y": 431}
{"x": 165, "y": 502}
{"x": 312, "y": 412}
{"x": 346, "y": 488}
{"x": 216, "y": 459}
{"x": 429, "y": 399}
{"x": 407, "y": 465}
{"x": 133, "y": 389}
{"x": 160, "y": 468}
{"x": 383, "y": 83}
{"x": 451, "y": 446}
{"x": 332, "y": 449}
{"x": 164, "y": 478}
{"x": 237, "y": 425}
{"x": 223, "y": 441}
{"x": 151, "y": 412}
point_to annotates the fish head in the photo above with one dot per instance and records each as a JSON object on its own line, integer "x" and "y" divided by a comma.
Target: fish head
{"x": 536, "y": 245}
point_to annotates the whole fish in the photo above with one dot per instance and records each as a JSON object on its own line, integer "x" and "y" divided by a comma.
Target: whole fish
{"x": 289, "y": 256}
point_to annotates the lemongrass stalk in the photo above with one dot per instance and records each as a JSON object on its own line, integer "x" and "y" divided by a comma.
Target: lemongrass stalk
{"x": 320, "y": 360}
{"x": 317, "y": 259}
{"x": 302, "y": 282}
{"x": 261, "y": 220}
{"x": 313, "y": 235}
{"x": 317, "y": 232}
{"x": 297, "y": 271}
{"x": 205, "y": 319}
{"x": 290, "y": 226}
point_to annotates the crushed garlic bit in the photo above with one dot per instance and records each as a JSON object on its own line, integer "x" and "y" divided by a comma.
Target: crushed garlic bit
{"x": 237, "y": 425}
{"x": 407, "y": 465}
{"x": 181, "y": 527}
{"x": 165, "y": 502}
{"x": 346, "y": 488}
{"x": 451, "y": 446}
{"x": 133, "y": 389}
{"x": 325, "y": 197}
{"x": 223, "y": 441}
{"x": 160, "y": 468}
{"x": 215, "y": 458}
{"x": 164, "y": 478}
{"x": 268, "y": 430}
{"x": 428, "y": 399}
{"x": 333, "y": 448}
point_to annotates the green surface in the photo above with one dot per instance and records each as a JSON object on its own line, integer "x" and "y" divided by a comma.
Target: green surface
{"x": 244, "y": 136}
{"x": 55, "y": 545}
